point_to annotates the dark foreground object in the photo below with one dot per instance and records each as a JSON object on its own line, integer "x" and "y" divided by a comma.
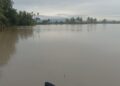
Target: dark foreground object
{"x": 49, "y": 84}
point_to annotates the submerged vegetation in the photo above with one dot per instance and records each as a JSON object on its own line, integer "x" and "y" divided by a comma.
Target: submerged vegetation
{"x": 9, "y": 16}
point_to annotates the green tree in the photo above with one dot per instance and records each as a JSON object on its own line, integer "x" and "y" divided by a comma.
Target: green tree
{"x": 25, "y": 18}
{"x": 104, "y": 21}
{"x": 9, "y": 15}
{"x": 79, "y": 20}
{"x": 72, "y": 20}
{"x": 12, "y": 17}
{"x": 67, "y": 21}
{"x": 94, "y": 20}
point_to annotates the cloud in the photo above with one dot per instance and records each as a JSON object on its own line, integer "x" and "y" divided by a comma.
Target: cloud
{"x": 71, "y": 7}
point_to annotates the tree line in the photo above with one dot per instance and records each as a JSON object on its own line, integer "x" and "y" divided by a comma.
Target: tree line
{"x": 9, "y": 16}
{"x": 77, "y": 20}
{"x": 89, "y": 20}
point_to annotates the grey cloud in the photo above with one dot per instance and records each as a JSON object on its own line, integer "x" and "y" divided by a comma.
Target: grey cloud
{"x": 76, "y": 7}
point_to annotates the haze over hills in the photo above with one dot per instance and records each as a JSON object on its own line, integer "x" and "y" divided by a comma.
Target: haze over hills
{"x": 94, "y": 8}
{"x": 59, "y": 17}
{"x": 63, "y": 17}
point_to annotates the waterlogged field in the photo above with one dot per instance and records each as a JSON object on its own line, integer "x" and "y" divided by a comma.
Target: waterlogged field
{"x": 66, "y": 55}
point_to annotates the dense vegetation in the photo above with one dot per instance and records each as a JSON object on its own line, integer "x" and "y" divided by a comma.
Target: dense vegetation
{"x": 10, "y": 16}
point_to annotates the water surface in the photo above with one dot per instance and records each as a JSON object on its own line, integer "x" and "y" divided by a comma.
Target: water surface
{"x": 67, "y": 55}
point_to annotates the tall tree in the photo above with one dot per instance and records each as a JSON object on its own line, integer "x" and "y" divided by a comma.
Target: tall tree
{"x": 9, "y": 15}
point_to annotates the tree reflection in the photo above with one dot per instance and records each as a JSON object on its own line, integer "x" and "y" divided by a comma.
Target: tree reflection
{"x": 68, "y": 28}
{"x": 8, "y": 40}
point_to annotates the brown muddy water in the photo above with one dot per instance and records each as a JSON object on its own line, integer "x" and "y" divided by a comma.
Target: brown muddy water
{"x": 66, "y": 55}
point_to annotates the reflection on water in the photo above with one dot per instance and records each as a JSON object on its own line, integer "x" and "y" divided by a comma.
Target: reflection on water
{"x": 67, "y": 55}
{"x": 8, "y": 40}
{"x": 72, "y": 28}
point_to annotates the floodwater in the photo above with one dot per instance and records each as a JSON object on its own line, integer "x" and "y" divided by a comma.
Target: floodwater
{"x": 66, "y": 55}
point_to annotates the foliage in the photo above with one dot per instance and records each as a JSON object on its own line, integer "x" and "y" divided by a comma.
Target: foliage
{"x": 10, "y": 16}
{"x": 79, "y": 20}
{"x": 25, "y": 18}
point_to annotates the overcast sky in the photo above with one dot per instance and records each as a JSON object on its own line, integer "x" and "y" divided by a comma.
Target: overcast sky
{"x": 98, "y": 8}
